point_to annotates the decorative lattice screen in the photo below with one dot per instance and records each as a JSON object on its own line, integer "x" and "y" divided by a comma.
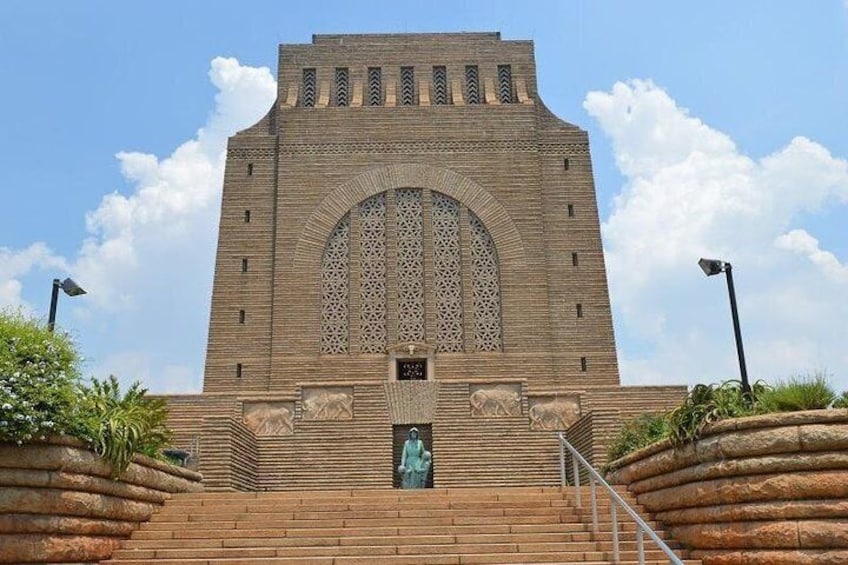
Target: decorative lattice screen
{"x": 505, "y": 84}
{"x": 407, "y": 86}
{"x": 447, "y": 263}
{"x": 342, "y": 87}
{"x": 372, "y": 265}
{"x": 308, "y": 98}
{"x": 486, "y": 287}
{"x": 375, "y": 86}
{"x": 335, "y": 290}
{"x": 410, "y": 266}
{"x": 440, "y": 85}
{"x": 472, "y": 84}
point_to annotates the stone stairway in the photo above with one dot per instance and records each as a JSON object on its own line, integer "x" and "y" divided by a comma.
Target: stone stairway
{"x": 427, "y": 527}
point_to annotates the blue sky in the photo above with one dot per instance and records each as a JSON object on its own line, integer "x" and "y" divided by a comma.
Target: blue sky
{"x": 717, "y": 129}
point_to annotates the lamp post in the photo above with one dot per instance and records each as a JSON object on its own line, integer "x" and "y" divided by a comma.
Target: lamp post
{"x": 713, "y": 267}
{"x": 71, "y": 289}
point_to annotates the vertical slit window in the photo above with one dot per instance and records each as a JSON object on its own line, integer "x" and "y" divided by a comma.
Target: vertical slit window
{"x": 574, "y": 260}
{"x": 583, "y": 364}
{"x": 238, "y": 370}
{"x": 308, "y": 99}
{"x": 375, "y": 86}
{"x": 566, "y": 164}
{"x": 241, "y": 316}
{"x": 244, "y": 265}
{"x": 342, "y": 87}
{"x": 407, "y": 86}
{"x": 505, "y": 84}
{"x": 571, "y": 210}
{"x": 440, "y": 85}
{"x": 472, "y": 84}
{"x": 579, "y": 310}
{"x": 247, "y": 216}
{"x": 250, "y": 169}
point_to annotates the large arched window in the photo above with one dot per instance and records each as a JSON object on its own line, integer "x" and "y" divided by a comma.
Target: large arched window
{"x": 375, "y": 262}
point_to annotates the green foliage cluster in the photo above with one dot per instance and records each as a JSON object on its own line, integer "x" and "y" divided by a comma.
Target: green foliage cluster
{"x": 811, "y": 392}
{"x": 42, "y": 394}
{"x": 39, "y": 380}
{"x": 638, "y": 433}
{"x": 706, "y": 404}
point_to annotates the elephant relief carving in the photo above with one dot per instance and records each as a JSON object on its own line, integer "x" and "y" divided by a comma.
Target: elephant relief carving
{"x": 554, "y": 414}
{"x": 269, "y": 419}
{"x": 496, "y": 401}
{"x": 327, "y": 405}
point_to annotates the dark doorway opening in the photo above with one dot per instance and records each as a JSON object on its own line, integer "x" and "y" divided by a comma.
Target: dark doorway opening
{"x": 399, "y": 436}
{"x": 412, "y": 369}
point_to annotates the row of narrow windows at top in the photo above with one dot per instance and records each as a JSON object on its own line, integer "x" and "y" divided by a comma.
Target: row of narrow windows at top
{"x": 374, "y": 94}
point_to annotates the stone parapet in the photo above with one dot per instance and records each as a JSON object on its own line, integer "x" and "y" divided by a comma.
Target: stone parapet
{"x": 59, "y": 504}
{"x": 767, "y": 489}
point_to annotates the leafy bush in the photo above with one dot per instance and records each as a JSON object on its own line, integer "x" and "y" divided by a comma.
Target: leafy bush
{"x": 41, "y": 394}
{"x": 706, "y": 404}
{"x": 811, "y": 392}
{"x": 637, "y": 433}
{"x": 121, "y": 425}
{"x": 842, "y": 401}
{"x": 39, "y": 380}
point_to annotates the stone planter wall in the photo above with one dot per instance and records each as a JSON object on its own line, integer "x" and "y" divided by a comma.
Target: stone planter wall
{"x": 764, "y": 490}
{"x": 58, "y": 503}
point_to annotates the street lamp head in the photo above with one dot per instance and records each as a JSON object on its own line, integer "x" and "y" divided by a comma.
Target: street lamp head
{"x": 711, "y": 266}
{"x": 71, "y": 288}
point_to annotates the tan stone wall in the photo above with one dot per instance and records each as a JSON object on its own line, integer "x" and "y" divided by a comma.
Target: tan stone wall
{"x": 306, "y": 164}
{"x": 762, "y": 490}
{"x": 59, "y": 504}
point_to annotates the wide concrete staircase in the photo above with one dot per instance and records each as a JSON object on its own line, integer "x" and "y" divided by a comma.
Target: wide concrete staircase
{"x": 345, "y": 527}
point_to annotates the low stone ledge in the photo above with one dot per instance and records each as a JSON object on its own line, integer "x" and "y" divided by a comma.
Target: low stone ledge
{"x": 59, "y": 504}
{"x": 763, "y": 490}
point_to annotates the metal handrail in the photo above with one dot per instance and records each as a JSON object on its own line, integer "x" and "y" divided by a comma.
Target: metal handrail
{"x": 615, "y": 500}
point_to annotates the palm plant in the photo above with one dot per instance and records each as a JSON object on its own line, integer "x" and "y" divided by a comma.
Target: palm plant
{"x": 121, "y": 425}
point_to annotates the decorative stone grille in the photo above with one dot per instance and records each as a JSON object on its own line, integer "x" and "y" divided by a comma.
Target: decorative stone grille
{"x": 505, "y": 84}
{"x": 335, "y": 289}
{"x": 409, "y": 270}
{"x": 447, "y": 261}
{"x": 308, "y": 99}
{"x": 486, "y": 288}
{"x": 342, "y": 87}
{"x": 440, "y": 85}
{"x": 407, "y": 86}
{"x": 472, "y": 84}
{"x": 410, "y": 266}
{"x": 375, "y": 87}
{"x": 372, "y": 264}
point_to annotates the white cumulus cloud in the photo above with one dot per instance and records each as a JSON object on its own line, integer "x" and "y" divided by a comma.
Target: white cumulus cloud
{"x": 690, "y": 192}
{"x": 147, "y": 261}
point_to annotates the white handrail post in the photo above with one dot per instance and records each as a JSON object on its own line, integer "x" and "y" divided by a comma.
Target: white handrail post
{"x": 614, "y": 520}
{"x": 640, "y": 544}
{"x": 576, "y": 470}
{"x": 562, "y": 480}
{"x": 594, "y": 506}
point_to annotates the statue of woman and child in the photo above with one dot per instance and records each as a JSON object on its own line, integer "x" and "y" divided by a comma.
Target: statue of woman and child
{"x": 414, "y": 462}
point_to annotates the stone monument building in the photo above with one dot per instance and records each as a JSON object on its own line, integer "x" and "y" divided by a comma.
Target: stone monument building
{"x": 408, "y": 237}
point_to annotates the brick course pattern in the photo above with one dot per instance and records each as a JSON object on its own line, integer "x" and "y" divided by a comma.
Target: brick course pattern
{"x": 348, "y": 126}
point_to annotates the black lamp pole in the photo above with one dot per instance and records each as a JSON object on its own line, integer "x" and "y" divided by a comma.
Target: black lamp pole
{"x": 54, "y": 299}
{"x": 713, "y": 267}
{"x": 70, "y": 288}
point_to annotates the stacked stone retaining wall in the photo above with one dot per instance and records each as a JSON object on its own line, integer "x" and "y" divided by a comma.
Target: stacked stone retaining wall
{"x": 58, "y": 503}
{"x": 764, "y": 490}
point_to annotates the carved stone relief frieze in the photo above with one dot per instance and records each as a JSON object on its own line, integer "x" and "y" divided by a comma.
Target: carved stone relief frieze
{"x": 269, "y": 418}
{"x": 550, "y": 413}
{"x": 327, "y": 403}
{"x": 495, "y": 400}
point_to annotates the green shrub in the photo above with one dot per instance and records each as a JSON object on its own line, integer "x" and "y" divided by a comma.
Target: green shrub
{"x": 121, "y": 425}
{"x": 39, "y": 380}
{"x": 842, "y": 401}
{"x": 637, "y": 433}
{"x": 41, "y": 394}
{"x": 811, "y": 392}
{"x": 706, "y": 404}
